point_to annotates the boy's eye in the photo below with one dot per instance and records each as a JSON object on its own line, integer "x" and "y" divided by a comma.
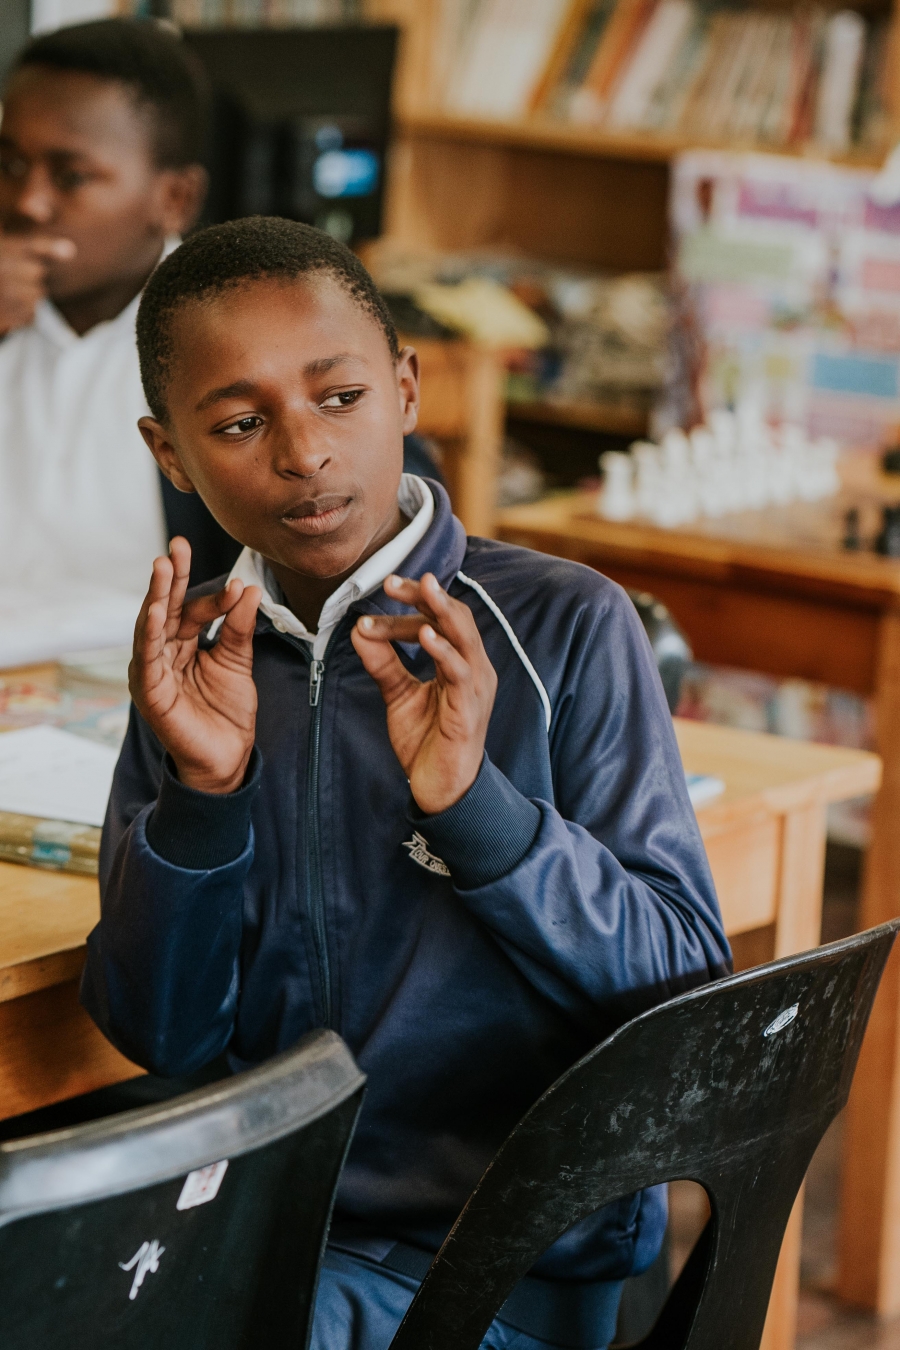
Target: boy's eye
{"x": 344, "y": 399}
{"x": 69, "y": 180}
{"x": 13, "y": 166}
{"x": 242, "y": 426}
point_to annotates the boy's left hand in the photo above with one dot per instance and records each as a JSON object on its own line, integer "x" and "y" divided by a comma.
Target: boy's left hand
{"x": 438, "y": 727}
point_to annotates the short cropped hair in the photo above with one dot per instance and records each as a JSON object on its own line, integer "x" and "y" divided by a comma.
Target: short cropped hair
{"x": 152, "y": 61}
{"x": 223, "y": 258}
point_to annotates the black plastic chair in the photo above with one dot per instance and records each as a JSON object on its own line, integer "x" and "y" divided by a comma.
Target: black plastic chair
{"x": 112, "y": 1234}
{"x": 732, "y": 1086}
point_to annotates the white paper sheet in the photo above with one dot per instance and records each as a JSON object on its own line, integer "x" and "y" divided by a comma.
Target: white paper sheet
{"x": 52, "y": 774}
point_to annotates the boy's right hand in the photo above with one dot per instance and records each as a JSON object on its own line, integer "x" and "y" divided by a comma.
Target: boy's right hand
{"x": 200, "y": 704}
{"x": 23, "y": 274}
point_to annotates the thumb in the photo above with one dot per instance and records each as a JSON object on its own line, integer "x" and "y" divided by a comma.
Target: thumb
{"x": 236, "y": 637}
{"x": 382, "y": 663}
{"x": 51, "y": 249}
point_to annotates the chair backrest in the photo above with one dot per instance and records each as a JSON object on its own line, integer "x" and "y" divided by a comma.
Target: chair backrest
{"x": 731, "y": 1086}
{"x": 195, "y": 1224}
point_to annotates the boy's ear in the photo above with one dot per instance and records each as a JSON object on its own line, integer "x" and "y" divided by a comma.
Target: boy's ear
{"x": 182, "y": 194}
{"x": 164, "y": 452}
{"x": 408, "y": 388}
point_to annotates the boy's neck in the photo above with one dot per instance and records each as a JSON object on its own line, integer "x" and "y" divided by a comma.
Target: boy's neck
{"x": 84, "y": 312}
{"x": 306, "y": 596}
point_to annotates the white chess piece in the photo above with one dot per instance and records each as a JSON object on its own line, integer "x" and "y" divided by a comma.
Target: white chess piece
{"x": 678, "y": 503}
{"x": 648, "y": 477}
{"x": 617, "y": 500}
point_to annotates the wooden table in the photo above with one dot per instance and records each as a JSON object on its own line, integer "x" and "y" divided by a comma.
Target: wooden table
{"x": 774, "y": 591}
{"x": 765, "y": 836}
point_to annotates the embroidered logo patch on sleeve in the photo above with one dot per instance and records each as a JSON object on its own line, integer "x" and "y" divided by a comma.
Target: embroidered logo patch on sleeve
{"x": 418, "y": 851}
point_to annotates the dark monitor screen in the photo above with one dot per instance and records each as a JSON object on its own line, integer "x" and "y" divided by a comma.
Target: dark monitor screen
{"x": 300, "y": 125}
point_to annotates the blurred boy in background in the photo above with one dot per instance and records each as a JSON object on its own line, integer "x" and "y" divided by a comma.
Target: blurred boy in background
{"x": 100, "y": 175}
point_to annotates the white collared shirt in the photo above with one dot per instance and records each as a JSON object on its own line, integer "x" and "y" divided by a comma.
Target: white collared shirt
{"x": 415, "y": 501}
{"x": 80, "y": 502}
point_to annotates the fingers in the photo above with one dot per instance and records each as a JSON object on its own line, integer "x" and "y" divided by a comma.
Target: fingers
{"x": 392, "y": 628}
{"x": 199, "y": 613}
{"x": 236, "y": 637}
{"x": 382, "y": 662}
{"x": 147, "y": 666}
{"x": 381, "y": 630}
{"x": 23, "y": 275}
{"x": 450, "y": 666}
{"x": 49, "y": 249}
{"x": 450, "y": 617}
{"x": 180, "y": 556}
{"x": 157, "y": 594}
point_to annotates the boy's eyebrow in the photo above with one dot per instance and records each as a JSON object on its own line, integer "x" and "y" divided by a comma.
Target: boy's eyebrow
{"x": 247, "y": 387}
{"x": 236, "y": 390}
{"x": 326, "y": 363}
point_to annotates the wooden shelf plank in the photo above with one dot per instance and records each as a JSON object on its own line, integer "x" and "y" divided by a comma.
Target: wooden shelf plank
{"x": 543, "y": 133}
{"x": 616, "y": 419}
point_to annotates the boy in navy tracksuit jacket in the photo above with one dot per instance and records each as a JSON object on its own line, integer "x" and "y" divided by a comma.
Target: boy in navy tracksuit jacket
{"x": 419, "y": 788}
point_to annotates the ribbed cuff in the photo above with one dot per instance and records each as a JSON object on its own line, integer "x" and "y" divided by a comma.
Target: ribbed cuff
{"x": 484, "y": 835}
{"x": 202, "y": 830}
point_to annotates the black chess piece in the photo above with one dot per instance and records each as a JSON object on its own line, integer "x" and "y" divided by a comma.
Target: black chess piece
{"x": 851, "y": 539}
{"x": 888, "y": 541}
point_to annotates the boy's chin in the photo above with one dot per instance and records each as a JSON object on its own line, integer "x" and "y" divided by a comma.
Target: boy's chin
{"x": 320, "y": 558}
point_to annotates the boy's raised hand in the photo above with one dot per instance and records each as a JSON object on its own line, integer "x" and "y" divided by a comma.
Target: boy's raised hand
{"x": 200, "y": 704}
{"x": 24, "y": 260}
{"x": 438, "y": 727}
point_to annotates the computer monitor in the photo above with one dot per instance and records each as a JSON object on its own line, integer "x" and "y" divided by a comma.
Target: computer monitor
{"x": 300, "y": 125}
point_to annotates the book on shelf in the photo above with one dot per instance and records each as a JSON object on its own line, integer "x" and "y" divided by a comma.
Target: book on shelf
{"x": 691, "y": 69}
{"x": 261, "y": 13}
{"x": 502, "y": 56}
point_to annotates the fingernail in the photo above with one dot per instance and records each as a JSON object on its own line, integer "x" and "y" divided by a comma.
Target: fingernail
{"x": 366, "y": 623}
{"x": 392, "y": 579}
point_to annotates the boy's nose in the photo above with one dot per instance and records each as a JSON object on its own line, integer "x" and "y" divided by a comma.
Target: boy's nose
{"x": 35, "y": 200}
{"x": 300, "y": 453}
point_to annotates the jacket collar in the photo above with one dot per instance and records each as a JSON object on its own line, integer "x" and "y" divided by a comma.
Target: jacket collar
{"x": 441, "y": 551}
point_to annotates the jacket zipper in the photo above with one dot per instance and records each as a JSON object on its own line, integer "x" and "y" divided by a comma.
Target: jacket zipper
{"x": 315, "y": 889}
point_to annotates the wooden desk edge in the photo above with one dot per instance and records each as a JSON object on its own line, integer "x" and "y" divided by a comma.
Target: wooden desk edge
{"x": 838, "y": 785}
{"x": 27, "y": 977}
{"x": 567, "y": 522}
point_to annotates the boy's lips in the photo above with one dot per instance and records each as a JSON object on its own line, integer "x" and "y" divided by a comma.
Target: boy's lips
{"x": 321, "y": 515}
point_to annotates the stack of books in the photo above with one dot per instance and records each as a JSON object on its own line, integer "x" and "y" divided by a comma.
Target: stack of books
{"x": 59, "y": 740}
{"x": 690, "y": 69}
{"x": 261, "y": 13}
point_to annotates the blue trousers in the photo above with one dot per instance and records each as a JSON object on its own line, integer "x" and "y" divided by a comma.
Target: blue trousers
{"x": 361, "y": 1304}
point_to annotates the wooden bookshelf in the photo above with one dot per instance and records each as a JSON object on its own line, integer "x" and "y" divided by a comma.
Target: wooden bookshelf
{"x": 553, "y": 190}
{"x": 618, "y": 419}
{"x": 546, "y": 133}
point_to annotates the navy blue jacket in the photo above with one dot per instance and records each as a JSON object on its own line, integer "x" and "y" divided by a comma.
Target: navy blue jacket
{"x": 467, "y": 958}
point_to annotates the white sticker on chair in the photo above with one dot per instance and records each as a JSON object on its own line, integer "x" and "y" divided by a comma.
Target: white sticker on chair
{"x": 784, "y": 1019}
{"x": 202, "y": 1186}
